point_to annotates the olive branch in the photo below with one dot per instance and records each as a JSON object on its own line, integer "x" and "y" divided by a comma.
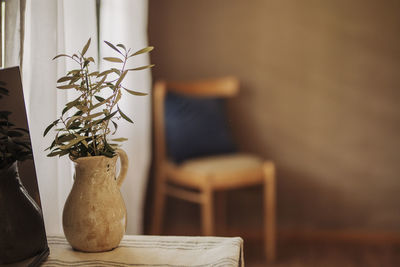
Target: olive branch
{"x": 84, "y": 133}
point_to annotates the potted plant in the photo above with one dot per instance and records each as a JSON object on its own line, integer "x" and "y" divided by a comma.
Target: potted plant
{"x": 19, "y": 240}
{"x": 94, "y": 215}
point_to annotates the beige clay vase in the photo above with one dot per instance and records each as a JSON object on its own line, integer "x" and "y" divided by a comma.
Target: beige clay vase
{"x": 94, "y": 216}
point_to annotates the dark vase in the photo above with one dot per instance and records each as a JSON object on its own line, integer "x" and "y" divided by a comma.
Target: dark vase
{"x": 22, "y": 233}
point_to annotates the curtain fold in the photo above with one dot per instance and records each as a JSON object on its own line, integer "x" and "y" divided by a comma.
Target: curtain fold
{"x": 14, "y": 32}
{"x": 125, "y": 21}
{"x": 52, "y": 27}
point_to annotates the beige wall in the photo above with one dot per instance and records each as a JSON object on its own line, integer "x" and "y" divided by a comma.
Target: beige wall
{"x": 320, "y": 95}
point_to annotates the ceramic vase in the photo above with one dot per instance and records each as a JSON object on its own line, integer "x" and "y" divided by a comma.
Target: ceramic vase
{"x": 94, "y": 215}
{"x": 22, "y": 233}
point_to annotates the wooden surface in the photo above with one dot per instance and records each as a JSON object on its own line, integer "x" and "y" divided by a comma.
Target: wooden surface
{"x": 312, "y": 249}
{"x": 221, "y": 87}
{"x": 270, "y": 209}
{"x": 317, "y": 254}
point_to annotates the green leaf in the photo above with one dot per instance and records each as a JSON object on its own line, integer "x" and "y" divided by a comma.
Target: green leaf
{"x": 74, "y": 72}
{"x": 68, "y": 86}
{"x": 86, "y": 63}
{"x": 100, "y": 83}
{"x": 95, "y": 122}
{"x": 134, "y": 92}
{"x": 99, "y": 98}
{"x": 109, "y": 116}
{"x": 94, "y": 73}
{"x": 78, "y": 113}
{"x": 89, "y": 125}
{"x": 113, "y": 47}
{"x": 124, "y": 116}
{"x": 73, "y": 142}
{"x": 104, "y": 73}
{"x": 71, "y": 104}
{"x": 50, "y": 126}
{"x": 72, "y": 119}
{"x": 85, "y": 143}
{"x": 92, "y": 116}
{"x": 116, "y": 71}
{"x": 115, "y": 126}
{"x": 74, "y": 102}
{"x": 141, "y": 51}
{"x": 67, "y": 107}
{"x": 101, "y": 87}
{"x": 122, "y": 139}
{"x": 122, "y": 46}
{"x": 64, "y": 138}
{"x": 63, "y": 153}
{"x": 107, "y": 153}
{"x": 113, "y": 59}
{"x": 142, "y": 68}
{"x": 64, "y": 79}
{"x": 101, "y": 103}
{"x": 60, "y": 55}
{"x": 108, "y": 147}
{"x": 55, "y": 153}
{"x": 114, "y": 146}
{"x": 118, "y": 97}
{"x": 121, "y": 78}
{"x": 85, "y": 48}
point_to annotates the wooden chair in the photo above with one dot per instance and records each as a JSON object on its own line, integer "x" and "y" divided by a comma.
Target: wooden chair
{"x": 197, "y": 179}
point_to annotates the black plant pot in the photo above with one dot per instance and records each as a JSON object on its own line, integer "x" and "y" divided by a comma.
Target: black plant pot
{"x": 22, "y": 233}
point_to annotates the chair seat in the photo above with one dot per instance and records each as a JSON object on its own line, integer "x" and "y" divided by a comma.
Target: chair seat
{"x": 222, "y": 171}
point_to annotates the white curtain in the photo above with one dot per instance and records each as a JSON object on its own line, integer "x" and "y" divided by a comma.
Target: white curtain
{"x": 14, "y": 33}
{"x": 63, "y": 26}
{"x": 125, "y": 21}
{"x": 52, "y": 27}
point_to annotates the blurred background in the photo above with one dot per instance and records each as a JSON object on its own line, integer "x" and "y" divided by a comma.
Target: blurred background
{"x": 319, "y": 95}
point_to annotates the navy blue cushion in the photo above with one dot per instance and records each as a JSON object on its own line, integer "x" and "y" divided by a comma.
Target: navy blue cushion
{"x": 196, "y": 127}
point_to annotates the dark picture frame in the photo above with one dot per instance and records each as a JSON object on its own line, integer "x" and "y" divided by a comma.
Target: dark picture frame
{"x": 13, "y": 102}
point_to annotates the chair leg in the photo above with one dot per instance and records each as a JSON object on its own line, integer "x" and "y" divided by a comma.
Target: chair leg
{"x": 207, "y": 212}
{"x": 269, "y": 211}
{"x": 159, "y": 203}
{"x": 221, "y": 212}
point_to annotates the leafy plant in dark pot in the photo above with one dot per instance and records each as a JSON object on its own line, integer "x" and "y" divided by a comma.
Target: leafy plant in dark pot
{"x": 22, "y": 232}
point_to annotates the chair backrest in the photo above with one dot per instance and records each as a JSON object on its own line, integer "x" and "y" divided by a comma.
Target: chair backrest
{"x": 223, "y": 87}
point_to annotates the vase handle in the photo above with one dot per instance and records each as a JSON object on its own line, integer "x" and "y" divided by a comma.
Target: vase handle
{"x": 124, "y": 166}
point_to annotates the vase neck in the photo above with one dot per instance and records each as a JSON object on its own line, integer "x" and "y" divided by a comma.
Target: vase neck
{"x": 95, "y": 170}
